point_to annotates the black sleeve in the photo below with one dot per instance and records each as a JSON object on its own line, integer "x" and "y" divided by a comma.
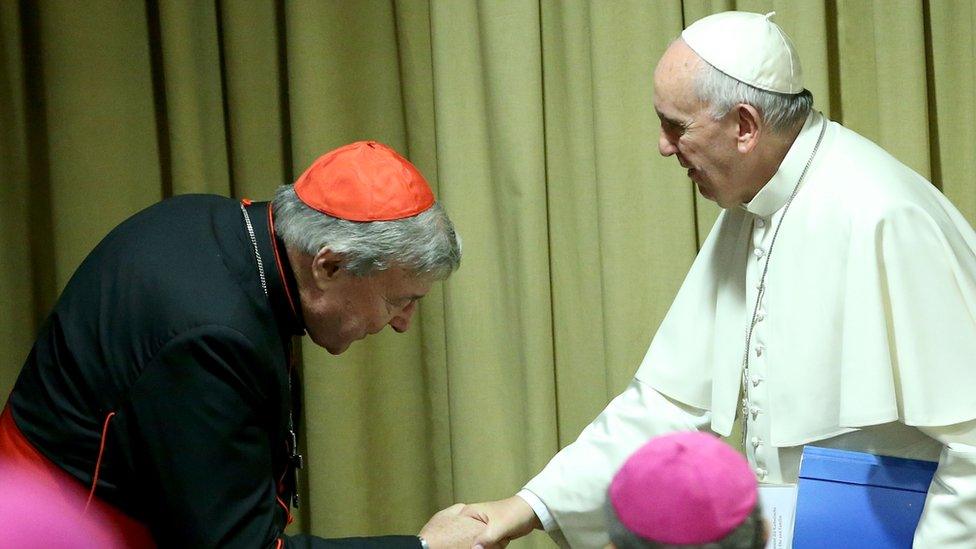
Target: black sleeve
{"x": 380, "y": 542}
{"x": 198, "y": 420}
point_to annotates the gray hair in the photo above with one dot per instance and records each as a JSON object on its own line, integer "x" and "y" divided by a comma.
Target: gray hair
{"x": 748, "y": 535}
{"x": 721, "y": 92}
{"x": 425, "y": 244}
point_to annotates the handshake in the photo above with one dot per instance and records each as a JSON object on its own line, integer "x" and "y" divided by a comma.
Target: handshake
{"x": 486, "y": 525}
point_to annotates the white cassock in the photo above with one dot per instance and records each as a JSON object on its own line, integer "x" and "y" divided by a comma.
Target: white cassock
{"x": 864, "y": 339}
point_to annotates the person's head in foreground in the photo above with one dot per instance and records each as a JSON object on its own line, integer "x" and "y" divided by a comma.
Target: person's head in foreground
{"x": 366, "y": 240}
{"x": 729, "y": 93}
{"x": 688, "y": 490}
{"x": 39, "y": 513}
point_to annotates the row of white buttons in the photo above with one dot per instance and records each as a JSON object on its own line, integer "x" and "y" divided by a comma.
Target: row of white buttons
{"x": 758, "y": 252}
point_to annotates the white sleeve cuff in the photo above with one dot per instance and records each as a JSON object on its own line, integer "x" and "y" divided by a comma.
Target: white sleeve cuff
{"x": 949, "y": 514}
{"x": 540, "y": 509}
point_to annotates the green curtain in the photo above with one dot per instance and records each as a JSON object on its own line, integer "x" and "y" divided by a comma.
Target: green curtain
{"x": 533, "y": 121}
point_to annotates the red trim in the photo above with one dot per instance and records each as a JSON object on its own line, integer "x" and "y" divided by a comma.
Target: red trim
{"x": 287, "y": 509}
{"x": 281, "y": 502}
{"x": 98, "y": 462}
{"x": 291, "y": 304}
{"x": 281, "y": 270}
{"x": 246, "y": 201}
{"x": 280, "y": 543}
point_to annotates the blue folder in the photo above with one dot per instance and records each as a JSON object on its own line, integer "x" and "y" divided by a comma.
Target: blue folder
{"x": 857, "y": 500}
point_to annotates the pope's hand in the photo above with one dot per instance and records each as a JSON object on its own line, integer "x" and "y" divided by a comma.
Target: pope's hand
{"x": 449, "y": 528}
{"x": 506, "y": 519}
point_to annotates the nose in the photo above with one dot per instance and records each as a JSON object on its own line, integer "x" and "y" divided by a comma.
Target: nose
{"x": 401, "y": 322}
{"x": 664, "y": 144}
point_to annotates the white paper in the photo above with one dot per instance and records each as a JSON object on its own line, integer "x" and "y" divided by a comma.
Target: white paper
{"x": 779, "y": 508}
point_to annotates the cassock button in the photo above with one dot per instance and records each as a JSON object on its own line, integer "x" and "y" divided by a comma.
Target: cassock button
{"x": 760, "y": 222}
{"x": 759, "y": 350}
{"x": 759, "y": 252}
{"x": 756, "y": 380}
{"x": 760, "y": 315}
{"x": 754, "y": 410}
{"x": 761, "y": 473}
{"x": 756, "y": 441}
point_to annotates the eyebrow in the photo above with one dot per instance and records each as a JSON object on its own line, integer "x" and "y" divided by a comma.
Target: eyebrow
{"x": 667, "y": 119}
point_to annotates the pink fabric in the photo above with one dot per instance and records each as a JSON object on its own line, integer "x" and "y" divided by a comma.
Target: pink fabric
{"x": 43, "y": 506}
{"x": 684, "y": 488}
{"x": 364, "y": 181}
{"x": 34, "y": 516}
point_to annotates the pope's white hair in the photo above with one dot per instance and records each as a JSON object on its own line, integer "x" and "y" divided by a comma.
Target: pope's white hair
{"x": 780, "y": 111}
{"x": 424, "y": 244}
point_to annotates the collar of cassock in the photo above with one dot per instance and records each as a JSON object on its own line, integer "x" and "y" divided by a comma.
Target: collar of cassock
{"x": 282, "y": 287}
{"x": 777, "y": 191}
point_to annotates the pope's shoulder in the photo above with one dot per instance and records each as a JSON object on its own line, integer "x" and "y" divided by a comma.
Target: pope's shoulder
{"x": 866, "y": 184}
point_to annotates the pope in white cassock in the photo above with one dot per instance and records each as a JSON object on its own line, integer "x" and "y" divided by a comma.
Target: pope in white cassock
{"x": 833, "y": 303}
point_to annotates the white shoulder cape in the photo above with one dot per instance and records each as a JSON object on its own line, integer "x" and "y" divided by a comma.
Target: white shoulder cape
{"x": 871, "y": 292}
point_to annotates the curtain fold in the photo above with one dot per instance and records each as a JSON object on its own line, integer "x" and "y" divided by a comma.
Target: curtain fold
{"x": 189, "y": 96}
{"x": 102, "y": 159}
{"x": 18, "y": 313}
{"x": 951, "y": 51}
{"x": 533, "y": 121}
{"x": 491, "y": 171}
{"x": 606, "y": 185}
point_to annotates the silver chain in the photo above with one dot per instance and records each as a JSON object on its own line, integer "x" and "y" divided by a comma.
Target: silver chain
{"x": 762, "y": 286}
{"x": 257, "y": 254}
{"x": 296, "y": 460}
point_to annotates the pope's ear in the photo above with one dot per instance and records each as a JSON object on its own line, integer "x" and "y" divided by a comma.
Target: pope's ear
{"x": 749, "y": 127}
{"x": 326, "y": 265}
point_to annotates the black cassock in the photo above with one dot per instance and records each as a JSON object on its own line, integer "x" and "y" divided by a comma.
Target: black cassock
{"x": 165, "y": 338}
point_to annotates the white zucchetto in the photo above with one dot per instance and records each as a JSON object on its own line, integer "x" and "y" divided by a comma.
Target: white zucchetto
{"x": 748, "y": 47}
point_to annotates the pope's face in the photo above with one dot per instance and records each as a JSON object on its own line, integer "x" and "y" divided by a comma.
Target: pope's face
{"x": 343, "y": 308}
{"x": 702, "y": 145}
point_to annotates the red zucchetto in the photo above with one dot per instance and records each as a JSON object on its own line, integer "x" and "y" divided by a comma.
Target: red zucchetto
{"x": 364, "y": 181}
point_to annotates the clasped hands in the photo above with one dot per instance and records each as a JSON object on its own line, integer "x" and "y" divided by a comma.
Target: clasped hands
{"x": 488, "y": 525}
